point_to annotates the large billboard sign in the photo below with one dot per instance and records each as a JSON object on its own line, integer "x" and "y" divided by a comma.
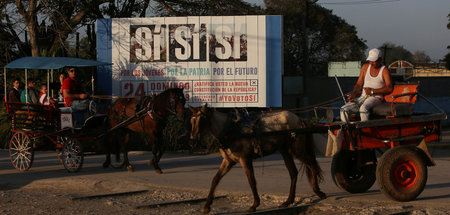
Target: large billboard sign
{"x": 225, "y": 61}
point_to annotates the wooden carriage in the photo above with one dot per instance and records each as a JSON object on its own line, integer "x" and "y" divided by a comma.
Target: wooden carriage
{"x": 37, "y": 126}
{"x": 399, "y": 135}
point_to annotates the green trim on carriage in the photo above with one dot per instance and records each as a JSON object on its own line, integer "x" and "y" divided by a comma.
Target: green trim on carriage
{"x": 51, "y": 63}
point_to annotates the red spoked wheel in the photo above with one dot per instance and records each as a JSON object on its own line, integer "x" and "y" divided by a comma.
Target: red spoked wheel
{"x": 402, "y": 173}
{"x": 21, "y": 151}
{"x": 71, "y": 154}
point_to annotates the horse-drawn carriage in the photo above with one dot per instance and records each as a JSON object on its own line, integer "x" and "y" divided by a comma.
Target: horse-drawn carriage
{"x": 399, "y": 135}
{"x": 394, "y": 130}
{"x": 38, "y": 126}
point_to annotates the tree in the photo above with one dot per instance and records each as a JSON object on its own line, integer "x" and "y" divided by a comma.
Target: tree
{"x": 204, "y": 8}
{"x": 11, "y": 45}
{"x": 143, "y": 8}
{"x": 447, "y": 61}
{"x": 330, "y": 38}
{"x": 47, "y": 24}
{"x": 421, "y": 57}
{"x": 392, "y": 53}
{"x": 448, "y": 25}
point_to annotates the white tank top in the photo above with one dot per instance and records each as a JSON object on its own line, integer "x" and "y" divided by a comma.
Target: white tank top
{"x": 374, "y": 82}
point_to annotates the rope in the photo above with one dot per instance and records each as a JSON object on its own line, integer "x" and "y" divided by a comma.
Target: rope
{"x": 312, "y": 107}
{"x": 114, "y": 97}
{"x": 295, "y": 110}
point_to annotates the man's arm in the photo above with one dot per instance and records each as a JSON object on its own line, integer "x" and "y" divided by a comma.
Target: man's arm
{"x": 359, "y": 84}
{"x": 388, "y": 84}
{"x": 68, "y": 95}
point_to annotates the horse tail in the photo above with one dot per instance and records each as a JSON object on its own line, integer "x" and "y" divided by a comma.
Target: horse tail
{"x": 304, "y": 149}
{"x": 314, "y": 165}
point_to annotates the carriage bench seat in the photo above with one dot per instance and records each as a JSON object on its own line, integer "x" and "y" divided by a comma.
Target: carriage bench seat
{"x": 399, "y": 102}
{"x": 395, "y": 110}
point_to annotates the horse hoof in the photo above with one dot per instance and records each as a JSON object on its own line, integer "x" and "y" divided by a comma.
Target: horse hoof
{"x": 251, "y": 209}
{"x": 158, "y": 171}
{"x": 322, "y": 195}
{"x": 130, "y": 168}
{"x": 284, "y": 205}
{"x": 105, "y": 165}
{"x": 206, "y": 210}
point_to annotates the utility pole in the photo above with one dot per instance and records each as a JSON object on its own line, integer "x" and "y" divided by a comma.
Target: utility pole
{"x": 385, "y": 49}
{"x": 306, "y": 48}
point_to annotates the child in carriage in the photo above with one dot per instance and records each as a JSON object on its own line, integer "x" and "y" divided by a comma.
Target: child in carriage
{"x": 43, "y": 97}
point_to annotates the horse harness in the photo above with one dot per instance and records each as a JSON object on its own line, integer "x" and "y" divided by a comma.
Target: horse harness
{"x": 146, "y": 102}
{"x": 249, "y": 126}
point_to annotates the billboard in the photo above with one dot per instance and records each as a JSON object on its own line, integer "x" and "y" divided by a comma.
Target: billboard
{"x": 225, "y": 61}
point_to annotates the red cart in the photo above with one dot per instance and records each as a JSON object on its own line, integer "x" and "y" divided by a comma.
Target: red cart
{"x": 401, "y": 137}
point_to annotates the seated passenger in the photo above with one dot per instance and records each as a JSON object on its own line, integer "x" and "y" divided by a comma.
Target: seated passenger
{"x": 14, "y": 93}
{"x": 373, "y": 83}
{"x": 29, "y": 95}
{"x": 75, "y": 97}
{"x": 43, "y": 97}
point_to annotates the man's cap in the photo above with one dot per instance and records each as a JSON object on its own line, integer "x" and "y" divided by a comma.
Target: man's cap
{"x": 374, "y": 55}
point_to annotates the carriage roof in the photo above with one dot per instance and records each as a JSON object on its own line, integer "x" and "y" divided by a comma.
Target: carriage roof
{"x": 51, "y": 63}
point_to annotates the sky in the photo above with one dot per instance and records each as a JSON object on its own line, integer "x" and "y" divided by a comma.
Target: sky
{"x": 417, "y": 25}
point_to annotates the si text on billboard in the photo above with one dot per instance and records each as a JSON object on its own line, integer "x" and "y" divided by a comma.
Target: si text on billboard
{"x": 225, "y": 61}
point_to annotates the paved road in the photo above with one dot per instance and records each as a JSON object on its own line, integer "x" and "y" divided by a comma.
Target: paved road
{"x": 196, "y": 172}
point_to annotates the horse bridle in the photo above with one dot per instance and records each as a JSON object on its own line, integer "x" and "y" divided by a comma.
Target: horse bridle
{"x": 197, "y": 115}
{"x": 218, "y": 138}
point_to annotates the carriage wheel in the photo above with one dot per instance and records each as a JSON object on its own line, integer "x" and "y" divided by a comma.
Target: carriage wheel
{"x": 61, "y": 140}
{"x": 72, "y": 154}
{"x": 21, "y": 151}
{"x": 350, "y": 177}
{"x": 402, "y": 173}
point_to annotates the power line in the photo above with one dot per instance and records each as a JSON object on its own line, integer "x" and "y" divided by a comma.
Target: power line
{"x": 357, "y": 2}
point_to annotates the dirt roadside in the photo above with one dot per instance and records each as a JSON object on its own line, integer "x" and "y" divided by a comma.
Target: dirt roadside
{"x": 50, "y": 197}
{"x": 48, "y": 189}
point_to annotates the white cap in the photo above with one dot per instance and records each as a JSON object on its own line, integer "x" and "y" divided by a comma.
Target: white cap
{"x": 374, "y": 54}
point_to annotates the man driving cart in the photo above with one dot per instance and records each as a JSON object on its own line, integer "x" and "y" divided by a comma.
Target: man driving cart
{"x": 373, "y": 83}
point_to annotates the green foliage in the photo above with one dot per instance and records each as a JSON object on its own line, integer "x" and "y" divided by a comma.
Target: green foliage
{"x": 448, "y": 25}
{"x": 447, "y": 61}
{"x": 421, "y": 57}
{"x": 205, "y": 8}
{"x": 392, "y": 53}
{"x": 174, "y": 132}
{"x": 330, "y": 37}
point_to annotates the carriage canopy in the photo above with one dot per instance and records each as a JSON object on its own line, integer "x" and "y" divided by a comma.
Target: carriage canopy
{"x": 51, "y": 63}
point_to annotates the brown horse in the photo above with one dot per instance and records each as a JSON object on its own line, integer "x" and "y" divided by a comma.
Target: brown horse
{"x": 171, "y": 101}
{"x": 271, "y": 134}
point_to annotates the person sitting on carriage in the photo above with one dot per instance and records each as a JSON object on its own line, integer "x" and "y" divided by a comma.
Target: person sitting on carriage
{"x": 30, "y": 95}
{"x": 373, "y": 83}
{"x": 14, "y": 93}
{"x": 75, "y": 97}
{"x": 56, "y": 87}
{"x": 43, "y": 97}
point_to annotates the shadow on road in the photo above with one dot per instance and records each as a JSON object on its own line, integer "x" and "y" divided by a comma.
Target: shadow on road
{"x": 46, "y": 166}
